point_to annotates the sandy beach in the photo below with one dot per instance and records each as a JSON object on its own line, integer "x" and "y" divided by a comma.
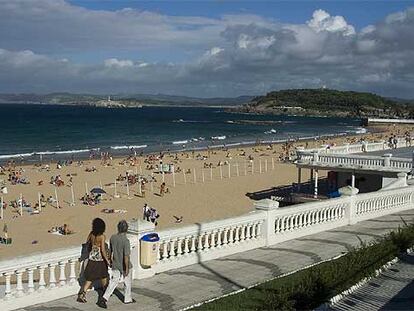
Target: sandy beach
{"x": 193, "y": 199}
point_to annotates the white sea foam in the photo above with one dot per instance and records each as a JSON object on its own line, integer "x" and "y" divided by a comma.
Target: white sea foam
{"x": 19, "y": 155}
{"x": 180, "y": 142}
{"x": 25, "y": 155}
{"x": 223, "y": 137}
{"x": 129, "y": 147}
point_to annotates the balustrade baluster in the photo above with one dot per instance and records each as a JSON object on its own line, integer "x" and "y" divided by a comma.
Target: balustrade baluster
{"x": 225, "y": 233}
{"x": 200, "y": 243}
{"x": 30, "y": 282}
{"x": 277, "y": 225}
{"x": 237, "y": 235}
{"x": 164, "y": 250}
{"x": 171, "y": 253}
{"x": 218, "y": 241}
{"x": 282, "y": 224}
{"x": 52, "y": 277}
{"x": 72, "y": 272}
{"x": 186, "y": 248}
{"x": 19, "y": 285}
{"x": 62, "y": 276}
{"x": 42, "y": 283}
{"x": 7, "y": 291}
{"x": 259, "y": 229}
{"x": 291, "y": 223}
{"x": 179, "y": 247}
{"x": 206, "y": 244}
{"x": 231, "y": 238}
{"x": 193, "y": 243}
{"x": 242, "y": 233}
{"x": 213, "y": 238}
{"x": 248, "y": 231}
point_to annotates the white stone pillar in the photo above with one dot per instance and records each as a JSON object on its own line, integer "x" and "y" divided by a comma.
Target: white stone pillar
{"x": 270, "y": 208}
{"x": 350, "y": 212}
{"x": 315, "y": 193}
{"x": 353, "y": 180}
{"x": 136, "y": 230}
{"x": 387, "y": 159}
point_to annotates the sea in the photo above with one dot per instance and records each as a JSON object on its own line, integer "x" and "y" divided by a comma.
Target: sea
{"x": 40, "y": 132}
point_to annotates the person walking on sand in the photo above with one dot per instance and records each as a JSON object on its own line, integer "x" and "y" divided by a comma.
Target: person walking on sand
{"x": 97, "y": 266}
{"x": 162, "y": 189}
{"x": 121, "y": 265}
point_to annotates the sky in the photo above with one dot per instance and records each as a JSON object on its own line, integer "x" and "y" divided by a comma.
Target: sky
{"x": 206, "y": 48}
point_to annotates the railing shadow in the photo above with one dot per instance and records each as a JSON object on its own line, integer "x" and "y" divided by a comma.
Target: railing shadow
{"x": 212, "y": 271}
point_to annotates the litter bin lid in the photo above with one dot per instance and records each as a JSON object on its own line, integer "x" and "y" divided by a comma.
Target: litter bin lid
{"x": 150, "y": 237}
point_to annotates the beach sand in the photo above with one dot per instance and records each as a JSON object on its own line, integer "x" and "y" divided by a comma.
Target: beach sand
{"x": 196, "y": 201}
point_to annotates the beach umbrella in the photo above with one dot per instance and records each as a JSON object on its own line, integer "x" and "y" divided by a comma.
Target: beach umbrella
{"x": 98, "y": 191}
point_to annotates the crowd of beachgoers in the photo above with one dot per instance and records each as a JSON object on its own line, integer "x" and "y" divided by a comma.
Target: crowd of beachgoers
{"x": 165, "y": 188}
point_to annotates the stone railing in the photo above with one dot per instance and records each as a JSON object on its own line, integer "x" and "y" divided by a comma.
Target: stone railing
{"x": 358, "y": 148}
{"x": 33, "y": 278}
{"x": 385, "y": 162}
{"x": 52, "y": 275}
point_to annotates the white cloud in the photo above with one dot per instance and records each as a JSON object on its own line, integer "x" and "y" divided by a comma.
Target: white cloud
{"x": 323, "y": 21}
{"x": 113, "y": 62}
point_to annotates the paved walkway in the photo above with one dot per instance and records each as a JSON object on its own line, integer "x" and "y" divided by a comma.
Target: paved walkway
{"x": 392, "y": 290}
{"x": 181, "y": 288}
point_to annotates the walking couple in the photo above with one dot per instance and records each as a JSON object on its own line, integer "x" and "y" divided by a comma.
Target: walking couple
{"x": 99, "y": 258}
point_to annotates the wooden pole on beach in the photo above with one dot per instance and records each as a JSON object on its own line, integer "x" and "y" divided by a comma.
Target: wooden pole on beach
{"x": 100, "y": 184}
{"x": 260, "y": 166}
{"x": 195, "y": 176}
{"x": 56, "y": 197}
{"x": 163, "y": 176}
{"x": 245, "y": 168}
{"x": 211, "y": 173}
{"x": 202, "y": 174}
{"x": 115, "y": 193}
{"x": 136, "y": 170}
{"x": 237, "y": 169}
{"x": 221, "y": 172}
{"x": 127, "y": 188}
{"x": 173, "y": 176}
{"x": 38, "y": 202}
{"x": 185, "y": 179}
{"x": 273, "y": 163}
{"x": 252, "y": 167}
{"x": 86, "y": 188}
{"x": 73, "y": 196}
{"x": 1, "y": 208}
{"x": 21, "y": 204}
{"x": 140, "y": 169}
{"x": 229, "y": 169}
{"x": 265, "y": 165}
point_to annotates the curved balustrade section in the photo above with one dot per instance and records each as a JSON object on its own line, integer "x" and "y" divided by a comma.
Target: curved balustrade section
{"x": 309, "y": 218}
{"x": 201, "y": 242}
{"x": 369, "y": 206}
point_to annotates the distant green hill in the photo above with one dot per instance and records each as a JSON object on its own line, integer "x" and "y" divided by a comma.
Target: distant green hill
{"x": 329, "y": 103}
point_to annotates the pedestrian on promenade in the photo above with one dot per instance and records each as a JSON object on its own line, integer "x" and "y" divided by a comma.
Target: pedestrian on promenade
{"x": 98, "y": 261}
{"x": 121, "y": 265}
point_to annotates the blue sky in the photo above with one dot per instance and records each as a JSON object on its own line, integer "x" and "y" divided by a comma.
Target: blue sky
{"x": 360, "y": 13}
{"x": 206, "y": 48}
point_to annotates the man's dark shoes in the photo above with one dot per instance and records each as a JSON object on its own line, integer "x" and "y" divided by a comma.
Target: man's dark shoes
{"x": 102, "y": 303}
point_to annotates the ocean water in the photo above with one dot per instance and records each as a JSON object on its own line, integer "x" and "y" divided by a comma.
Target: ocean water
{"x": 52, "y": 131}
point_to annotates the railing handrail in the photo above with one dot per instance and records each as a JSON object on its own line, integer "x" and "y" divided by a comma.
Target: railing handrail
{"x": 39, "y": 259}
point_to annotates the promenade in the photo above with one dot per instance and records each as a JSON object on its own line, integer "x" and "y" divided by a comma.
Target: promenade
{"x": 181, "y": 288}
{"x": 391, "y": 290}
